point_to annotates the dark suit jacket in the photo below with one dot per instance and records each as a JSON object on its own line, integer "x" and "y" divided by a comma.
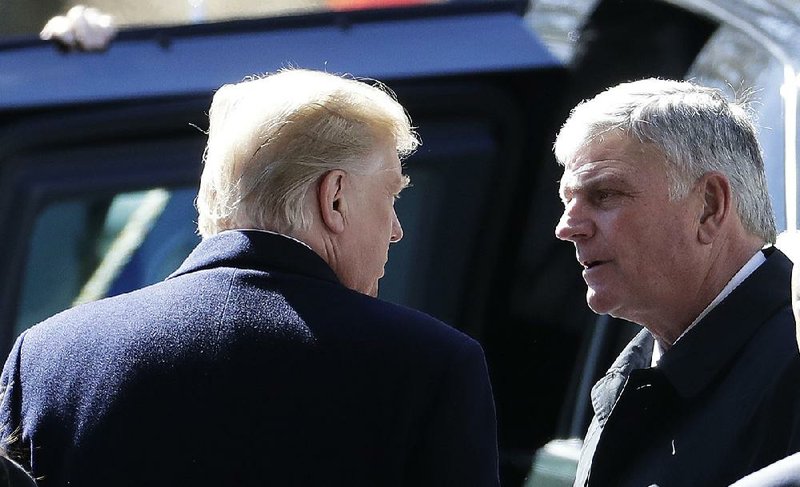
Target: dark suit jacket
{"x": 250, "y": 365}
{"x": 723, "y": 402}
{"x": 783, "y": 473}
{"x": 12, "y": 474}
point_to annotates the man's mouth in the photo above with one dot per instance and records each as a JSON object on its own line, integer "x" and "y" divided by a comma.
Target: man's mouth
{"x": 589, "y": 264}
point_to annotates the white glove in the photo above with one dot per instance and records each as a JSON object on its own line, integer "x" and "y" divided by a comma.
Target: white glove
{"x": 82, "y": 28}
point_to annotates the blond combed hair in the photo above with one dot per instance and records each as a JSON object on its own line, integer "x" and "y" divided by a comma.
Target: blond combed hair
{"x": 272, "y": 137}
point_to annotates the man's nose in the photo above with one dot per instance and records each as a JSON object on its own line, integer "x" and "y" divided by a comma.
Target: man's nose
{"x": 574, "y": 224}
{"x": 397, "y": 229}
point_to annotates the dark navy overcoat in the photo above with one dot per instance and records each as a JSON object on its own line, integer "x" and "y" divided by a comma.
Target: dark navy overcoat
{"x": 250, "y": 365}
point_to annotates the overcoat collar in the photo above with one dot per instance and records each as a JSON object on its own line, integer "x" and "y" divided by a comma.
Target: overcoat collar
{"x": 708, "y": 348}
{"x": 256, "y": 250}
{"x": 636, "y": 355}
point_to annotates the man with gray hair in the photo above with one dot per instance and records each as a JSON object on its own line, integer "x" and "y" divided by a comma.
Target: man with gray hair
{"x": 666, "y": 202}
{"x": 265, "y": 359}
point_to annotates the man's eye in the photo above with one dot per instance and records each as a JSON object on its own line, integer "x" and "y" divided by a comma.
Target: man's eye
{"x": 603, "y": 195}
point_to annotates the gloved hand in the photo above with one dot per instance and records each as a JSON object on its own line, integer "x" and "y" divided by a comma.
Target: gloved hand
{"x": 82, "y": 28}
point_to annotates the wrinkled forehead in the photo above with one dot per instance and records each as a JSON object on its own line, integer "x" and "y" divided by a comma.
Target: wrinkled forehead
{"x": 584, "y": 175}
{"x": 613, "y": 159}
{"x": 616, "y": 146}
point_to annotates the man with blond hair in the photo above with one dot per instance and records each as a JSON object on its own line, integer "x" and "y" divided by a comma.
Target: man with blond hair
{"x": 265, "y": 359}
{"x": 665, "y": 199}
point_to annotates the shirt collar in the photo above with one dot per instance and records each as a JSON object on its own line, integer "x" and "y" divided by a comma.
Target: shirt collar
{"x": 271, "y": 233}
{"x": 257, "y": 250}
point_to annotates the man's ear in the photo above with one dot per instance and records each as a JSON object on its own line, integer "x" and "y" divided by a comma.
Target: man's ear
{"x": 716, "y": 193}
{"x": 331, "y": 200}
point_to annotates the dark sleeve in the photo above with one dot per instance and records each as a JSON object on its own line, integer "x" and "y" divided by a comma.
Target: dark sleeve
{"x": 10, "y": 406}
{"x": 12, "y": 475}
{"x": 459, "y": 443}
{"x": 784, "y": 473}
{"x": 783, "y": 413}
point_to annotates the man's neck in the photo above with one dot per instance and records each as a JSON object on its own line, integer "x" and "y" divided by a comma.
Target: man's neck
{"x": 713, "y": 291}
{"x": 724, "y": 259}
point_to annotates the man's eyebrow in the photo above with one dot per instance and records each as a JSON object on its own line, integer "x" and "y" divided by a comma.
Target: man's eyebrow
{"x": 567, "y": 186}
{"x": 405, "y": 181}
{"x": 576, "y": 185}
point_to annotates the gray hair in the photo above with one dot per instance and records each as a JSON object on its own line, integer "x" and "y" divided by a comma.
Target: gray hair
{"x": 271, "y": 138}
{"x": 695, "y": 128}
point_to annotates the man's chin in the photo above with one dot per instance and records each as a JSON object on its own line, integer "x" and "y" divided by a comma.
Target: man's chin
{"x": 598, "y": 302}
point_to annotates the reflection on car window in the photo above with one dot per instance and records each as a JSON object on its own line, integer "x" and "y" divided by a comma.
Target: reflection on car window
{"x": 130, "y": 216}
{"x": 101, "y": 246}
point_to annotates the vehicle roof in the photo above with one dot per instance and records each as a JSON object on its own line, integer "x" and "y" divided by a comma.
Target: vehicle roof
{"x": 188, "y": 60}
